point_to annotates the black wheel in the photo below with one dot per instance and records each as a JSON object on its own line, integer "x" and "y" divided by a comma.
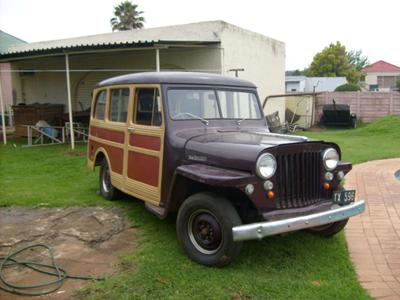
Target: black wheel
{"x": 330, "y": 229}
{"x": 204, "y": 228}
{"x": 107, "y": 190}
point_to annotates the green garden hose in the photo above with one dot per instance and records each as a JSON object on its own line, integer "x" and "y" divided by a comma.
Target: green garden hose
{"x": 50, "y": 269}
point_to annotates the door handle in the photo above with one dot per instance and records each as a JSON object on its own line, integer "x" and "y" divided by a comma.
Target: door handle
{"x": 131, "y": 129}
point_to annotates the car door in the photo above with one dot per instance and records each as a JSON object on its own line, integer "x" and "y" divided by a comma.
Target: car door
{"x": 145, "y": 144}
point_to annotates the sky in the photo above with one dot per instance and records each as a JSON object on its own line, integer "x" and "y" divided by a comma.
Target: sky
{"x": 305, "y": 26}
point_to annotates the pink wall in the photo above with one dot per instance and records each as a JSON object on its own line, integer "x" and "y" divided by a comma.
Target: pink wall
{"x": 6, "y": 84}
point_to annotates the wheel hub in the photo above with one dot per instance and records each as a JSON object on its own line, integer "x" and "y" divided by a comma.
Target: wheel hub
{"x": 106, "y": 180}
{"x": 205, "y": 232}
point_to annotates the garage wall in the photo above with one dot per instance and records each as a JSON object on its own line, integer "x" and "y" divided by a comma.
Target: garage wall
{"x": 262, "y": 58}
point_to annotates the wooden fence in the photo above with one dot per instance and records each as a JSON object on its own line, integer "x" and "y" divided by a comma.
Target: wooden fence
{"x": 367, "y": 105}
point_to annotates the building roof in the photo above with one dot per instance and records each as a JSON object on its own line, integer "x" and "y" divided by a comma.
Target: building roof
{"x": 295, "y": 78}
{"x": 202, "y": 33}
{"x": 191, "y": 78}
{"x": 194, "y": 33}
{"x": 380, "y": 66}
{"x": 8, "y": 40}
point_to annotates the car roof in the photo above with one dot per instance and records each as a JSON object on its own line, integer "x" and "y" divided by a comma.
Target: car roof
{"x": 190, "y": 78}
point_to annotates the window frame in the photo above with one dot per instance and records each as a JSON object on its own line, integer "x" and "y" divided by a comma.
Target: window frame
{"x": 93, "y": 114}
{"x": 118, "y": 87}
{"x": 215, "y": 89}
{"x": 133, "y": 109}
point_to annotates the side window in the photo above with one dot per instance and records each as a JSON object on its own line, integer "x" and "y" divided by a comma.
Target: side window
{"x": 148, "y": 107}
{"x": 119, "y": 105}
{"x": 100, "y": 106}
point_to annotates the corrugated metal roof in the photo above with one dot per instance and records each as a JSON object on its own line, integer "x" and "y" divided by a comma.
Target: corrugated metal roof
{"x": 8, "y": 40}
{"x": 204, "y": 32}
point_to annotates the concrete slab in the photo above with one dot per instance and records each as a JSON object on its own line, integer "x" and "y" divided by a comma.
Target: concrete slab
{"x": 85, "y": 241}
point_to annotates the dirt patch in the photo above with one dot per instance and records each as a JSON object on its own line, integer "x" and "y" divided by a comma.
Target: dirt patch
{"x": 85, "y": 241}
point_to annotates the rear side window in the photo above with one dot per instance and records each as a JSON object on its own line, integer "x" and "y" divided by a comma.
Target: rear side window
{"x": 100, "y": 106}
{"x": 148, "y": 107}
{"x": 119, "y": 105}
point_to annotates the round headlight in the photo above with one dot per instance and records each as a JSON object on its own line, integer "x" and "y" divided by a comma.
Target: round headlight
{"x": 330, "y": 158}
{"x": 266, "y": 166}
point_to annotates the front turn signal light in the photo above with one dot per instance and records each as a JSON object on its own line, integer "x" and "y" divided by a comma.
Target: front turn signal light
{"x": 270, "y": 194}
{"x": 327, "y": 186}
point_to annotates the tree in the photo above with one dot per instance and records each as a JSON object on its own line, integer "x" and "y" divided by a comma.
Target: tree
{"x": 296, "y": 72}
{"x": 398, "y": 84}
{"x": 356, "y": 58}
{"x": 127, "y": 17}
{"x": 332, "y": 61}
{"x": 348, "y": 87}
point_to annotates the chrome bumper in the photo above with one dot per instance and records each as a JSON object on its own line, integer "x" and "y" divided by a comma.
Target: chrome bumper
{"x": 263, "y": 229}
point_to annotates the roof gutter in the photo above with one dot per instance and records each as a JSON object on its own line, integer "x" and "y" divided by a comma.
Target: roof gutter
{"x": 62, "y": 51}
{"x": 105, "y": 48}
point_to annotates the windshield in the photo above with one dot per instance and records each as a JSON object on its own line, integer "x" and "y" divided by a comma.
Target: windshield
{"x": 202, "y": 104}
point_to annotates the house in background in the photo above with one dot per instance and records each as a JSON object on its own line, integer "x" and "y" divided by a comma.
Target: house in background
{"x": 6, "y": 42}
{"x": 380, "y": 76}
{"x": 213, "y": 47}
{"x": 312, "y": 84}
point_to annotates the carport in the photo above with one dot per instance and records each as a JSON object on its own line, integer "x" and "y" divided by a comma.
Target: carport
{"x": 65, "y": 71}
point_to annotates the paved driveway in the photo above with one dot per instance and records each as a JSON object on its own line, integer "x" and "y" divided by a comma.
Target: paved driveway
{"x": 374, "y": 237}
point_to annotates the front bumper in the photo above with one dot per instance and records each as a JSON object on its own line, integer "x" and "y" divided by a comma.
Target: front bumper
{"x": 263, "y": 229}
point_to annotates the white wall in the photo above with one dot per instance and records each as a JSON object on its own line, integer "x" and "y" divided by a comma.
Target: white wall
{"x": 262, "y": 58}
{"x": 372, "y": 78}
{"x": 295, "y": 86}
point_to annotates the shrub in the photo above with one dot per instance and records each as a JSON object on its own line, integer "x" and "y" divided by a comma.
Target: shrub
{"x": 348, "y": 87}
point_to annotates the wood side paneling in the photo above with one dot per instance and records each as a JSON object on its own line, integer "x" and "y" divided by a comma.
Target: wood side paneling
{"x": 145, "y": 141}
{"x": 115, "y": 155}
{"x": 108, "y": 134}
{"x": 146, "y": 168}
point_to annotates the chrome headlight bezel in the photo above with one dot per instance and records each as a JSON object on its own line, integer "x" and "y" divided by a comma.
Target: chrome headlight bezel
{"x": 330, "y": 156}
{"x": 266, "y": 157}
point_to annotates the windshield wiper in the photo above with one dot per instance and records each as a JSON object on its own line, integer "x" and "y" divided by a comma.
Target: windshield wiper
{"x": 204, "y": 121}
{"x": 240, "y": 121}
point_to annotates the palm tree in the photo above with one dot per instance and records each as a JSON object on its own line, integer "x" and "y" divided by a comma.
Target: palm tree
{"x": 127, "y": 17}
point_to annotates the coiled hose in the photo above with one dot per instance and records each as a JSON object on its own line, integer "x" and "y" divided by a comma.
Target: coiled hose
{"x": 51, "y": 269}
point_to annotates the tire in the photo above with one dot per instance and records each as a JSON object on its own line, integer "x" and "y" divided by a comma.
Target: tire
{"x": 204, "y": 229}
{"x": 354, "y": 123}
{"x": 330, "y": 229}
{"x": 107, "y": 190}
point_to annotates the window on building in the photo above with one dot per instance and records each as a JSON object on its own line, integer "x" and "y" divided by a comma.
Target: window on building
{"x": 148, "y": 107}
{"x": 100, "y": 106}
{"x": 387, "y": 81}
{"x": 119, "y": 105}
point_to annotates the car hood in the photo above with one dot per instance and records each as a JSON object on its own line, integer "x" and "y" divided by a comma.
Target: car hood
{"x": 233, "y": 149}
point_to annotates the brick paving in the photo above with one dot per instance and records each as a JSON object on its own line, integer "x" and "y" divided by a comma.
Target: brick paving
{"x": 374, "y": 237}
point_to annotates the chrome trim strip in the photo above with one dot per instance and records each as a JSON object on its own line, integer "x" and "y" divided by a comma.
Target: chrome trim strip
{"x": 263, "y": 229}
{"x": 298, "y": 138}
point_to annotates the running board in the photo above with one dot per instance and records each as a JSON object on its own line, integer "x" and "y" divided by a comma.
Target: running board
{"x": 155, "y": 210}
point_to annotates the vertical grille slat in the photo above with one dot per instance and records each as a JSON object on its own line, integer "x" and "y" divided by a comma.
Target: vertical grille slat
{"x": 298, "y": 179}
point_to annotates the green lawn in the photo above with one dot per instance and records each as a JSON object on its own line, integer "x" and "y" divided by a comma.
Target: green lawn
{"x": 378, "y": 140}
{"x": 295, "y": 266}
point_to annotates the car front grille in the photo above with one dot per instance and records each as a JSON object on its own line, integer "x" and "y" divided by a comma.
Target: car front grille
{"x": 298, "y": 180}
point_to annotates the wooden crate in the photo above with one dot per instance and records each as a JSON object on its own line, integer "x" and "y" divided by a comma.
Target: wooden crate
{"x": 31, "y": 114}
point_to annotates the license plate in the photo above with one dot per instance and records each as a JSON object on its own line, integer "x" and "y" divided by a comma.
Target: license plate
{"x": 344, "y": 197}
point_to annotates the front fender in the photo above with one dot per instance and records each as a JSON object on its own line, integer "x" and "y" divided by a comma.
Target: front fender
{"x": 216, "y": 176}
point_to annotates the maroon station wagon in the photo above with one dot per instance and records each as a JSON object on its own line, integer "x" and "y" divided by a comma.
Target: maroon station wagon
{"x": 198, "y": 144}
